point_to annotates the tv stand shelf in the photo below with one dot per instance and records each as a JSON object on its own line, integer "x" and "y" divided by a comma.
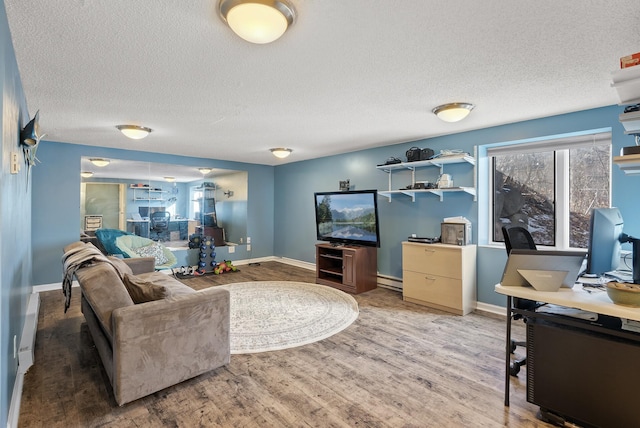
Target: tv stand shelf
{"x": 348, "y": 268}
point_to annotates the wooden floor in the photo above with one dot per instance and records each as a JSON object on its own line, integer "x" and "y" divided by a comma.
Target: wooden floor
{"x": 398, "y": 365}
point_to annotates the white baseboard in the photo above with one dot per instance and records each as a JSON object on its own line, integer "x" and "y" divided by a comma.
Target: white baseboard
{"x": 298, "y": 263}
{"x": 16, "y": 397}
{"x": 492, "y": 309}
{"x": 51, "y": 287}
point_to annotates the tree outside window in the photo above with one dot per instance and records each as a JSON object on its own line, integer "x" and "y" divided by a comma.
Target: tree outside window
{"x": 551, "y": 191}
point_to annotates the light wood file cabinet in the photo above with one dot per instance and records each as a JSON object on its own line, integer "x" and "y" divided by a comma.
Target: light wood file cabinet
{"x": 440, "y": 276}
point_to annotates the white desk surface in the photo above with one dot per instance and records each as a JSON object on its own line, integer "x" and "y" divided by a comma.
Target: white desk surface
{"x": 576, "y": 297}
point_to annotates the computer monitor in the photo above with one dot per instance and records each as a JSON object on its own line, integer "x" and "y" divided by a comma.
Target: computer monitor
{"x": 605, "y": 232}
{"x": 605, "y": 239}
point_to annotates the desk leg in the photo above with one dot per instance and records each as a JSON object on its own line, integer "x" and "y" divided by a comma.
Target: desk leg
{"x": 507, "y": 374}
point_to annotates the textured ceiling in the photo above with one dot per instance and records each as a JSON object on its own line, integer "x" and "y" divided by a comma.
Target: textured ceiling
{"x": 348, "y": 75}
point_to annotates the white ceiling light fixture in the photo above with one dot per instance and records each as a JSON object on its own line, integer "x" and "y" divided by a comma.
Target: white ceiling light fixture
{"x": 99, "y": 162}
{"x": 170, "y": 179}
{"x": 134, "y": 132}
{"x": 86, "y": 174}
{"x": 205, "y": 171}
{"x": 281, "y": 152}
{"x": 453, "y": 112}
{"x": 257, "y": 21}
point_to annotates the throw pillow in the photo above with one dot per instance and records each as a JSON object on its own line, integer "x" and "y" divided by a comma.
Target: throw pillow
{"x": 154, "y": 250}
{"x": 142, "y": 291}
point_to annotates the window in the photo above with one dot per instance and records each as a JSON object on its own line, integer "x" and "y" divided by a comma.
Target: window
{"x": 549, "y": 187}
{"x": 195, "y": 196}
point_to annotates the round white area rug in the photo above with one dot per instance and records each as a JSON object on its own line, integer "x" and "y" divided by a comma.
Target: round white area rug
{"x": 272, "y": 315}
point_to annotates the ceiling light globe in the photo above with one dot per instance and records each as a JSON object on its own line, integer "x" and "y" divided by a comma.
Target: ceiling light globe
{"x": 453, "y": 112}
{"x": 134, "y": 132}
{"x": 86, "y": 174}
{"x": 257, "y": 21}
{"x": 99, "y": 162}
{"x": 281, "y": 152}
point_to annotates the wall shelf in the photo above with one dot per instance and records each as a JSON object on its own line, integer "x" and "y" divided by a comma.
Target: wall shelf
{"x": 438, "y": 192}
{"x": 630, "y": 164}
{"x": 148, "y": 194}
{"x": 438, "y": 163}
{"x": 631, "y": 122}
{"x": 626, "y": 82}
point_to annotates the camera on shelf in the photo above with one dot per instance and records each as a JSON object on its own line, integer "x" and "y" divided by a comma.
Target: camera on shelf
{"x": 416, "y": 154}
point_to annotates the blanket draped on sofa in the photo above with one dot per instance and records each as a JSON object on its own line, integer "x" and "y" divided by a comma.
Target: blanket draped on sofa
{"x": 74, "y": 259}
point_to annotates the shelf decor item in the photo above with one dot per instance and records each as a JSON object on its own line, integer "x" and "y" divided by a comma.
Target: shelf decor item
{"x": 29, "y": 140}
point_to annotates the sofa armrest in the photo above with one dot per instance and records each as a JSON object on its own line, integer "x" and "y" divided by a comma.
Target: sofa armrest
{"x": 161, "y": 343}
{"x": 141, "y": 264}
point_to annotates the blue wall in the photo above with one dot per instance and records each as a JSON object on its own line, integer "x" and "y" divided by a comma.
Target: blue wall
{"x": 56, "y": 203}
{"x": 15, "y": 219}
{"x": 296, "y": 182}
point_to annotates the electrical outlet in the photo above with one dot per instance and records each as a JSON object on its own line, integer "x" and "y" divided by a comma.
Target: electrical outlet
{"x": 232, "y": 249}
{"x": 248, "y": 240}
{"x": 248, "y": 247}
{"x": 241, "y": 240}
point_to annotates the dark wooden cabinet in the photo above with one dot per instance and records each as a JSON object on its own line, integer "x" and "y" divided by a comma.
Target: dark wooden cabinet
{"x": 347, "y": 268}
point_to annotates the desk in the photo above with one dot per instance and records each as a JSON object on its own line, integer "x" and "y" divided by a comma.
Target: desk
{"x": 138, "y": 227}
{"x": 141, "y": 227}
{"x": 604, "y": 355}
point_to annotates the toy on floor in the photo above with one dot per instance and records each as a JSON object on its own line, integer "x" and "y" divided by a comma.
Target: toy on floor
{"x": 225, "y": 266}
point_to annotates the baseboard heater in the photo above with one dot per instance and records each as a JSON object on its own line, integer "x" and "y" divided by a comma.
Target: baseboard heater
{"x": 28, "y": 339}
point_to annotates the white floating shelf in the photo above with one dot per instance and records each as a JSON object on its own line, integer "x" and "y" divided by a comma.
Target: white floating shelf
{"x": 626, "y": 81}
{"x": 631, "y": 122}
{"x": 438, "y": 192}
{"x": 630, "y": 164}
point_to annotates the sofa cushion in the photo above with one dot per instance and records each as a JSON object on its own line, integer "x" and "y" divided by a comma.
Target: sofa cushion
{"x": 154, "y": 250}
{"x": 152, "y": 286}
{"x": 129, "y": 244}
{"x": 104, "y": 290}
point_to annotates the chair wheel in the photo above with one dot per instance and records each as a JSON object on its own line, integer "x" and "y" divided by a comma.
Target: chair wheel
{"x": 514, "y": 369}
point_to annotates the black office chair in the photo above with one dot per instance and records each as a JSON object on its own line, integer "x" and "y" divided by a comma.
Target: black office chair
{"x": 160, "y": 226}
{"x": 519, "y": 238}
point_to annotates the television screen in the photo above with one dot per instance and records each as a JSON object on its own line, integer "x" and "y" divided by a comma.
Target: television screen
{"x": 349, "y": 217}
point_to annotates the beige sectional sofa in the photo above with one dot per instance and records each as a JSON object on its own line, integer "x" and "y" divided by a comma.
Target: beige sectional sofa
{"x": 173, "y": 334}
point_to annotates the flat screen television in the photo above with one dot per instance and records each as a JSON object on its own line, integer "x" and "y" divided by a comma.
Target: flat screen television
{"x": 348, "y": 217}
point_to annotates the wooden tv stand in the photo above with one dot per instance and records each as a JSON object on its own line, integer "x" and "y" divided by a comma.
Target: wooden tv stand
{"x": 348, "y": 268}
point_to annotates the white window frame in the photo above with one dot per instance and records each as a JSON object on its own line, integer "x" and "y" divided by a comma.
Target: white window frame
{"x": 560, "y": 144}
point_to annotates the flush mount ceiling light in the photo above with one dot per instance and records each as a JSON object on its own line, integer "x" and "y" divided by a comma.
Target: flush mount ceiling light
{"x": 453, "y": 112}
{"x": 134, "y": 132}
{"x": 86, "y": 174}
{"x": 205, "y": 171}
{"x": 257, "y": 21}
{"x": 170, "y": 179}
{"x": 99, "y": 162}
{"x": 281, "y": 152}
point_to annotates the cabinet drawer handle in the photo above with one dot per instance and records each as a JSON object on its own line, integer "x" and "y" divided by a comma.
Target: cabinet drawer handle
{"x": 429, "y": 250}
{"x": 429, "y": 278}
